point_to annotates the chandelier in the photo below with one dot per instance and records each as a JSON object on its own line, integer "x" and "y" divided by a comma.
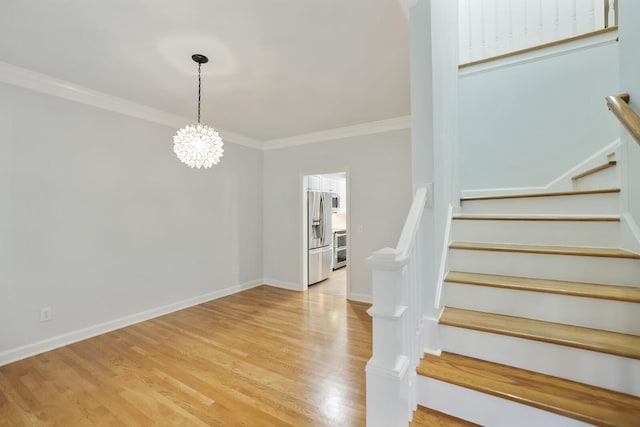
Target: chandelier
{"x": 198, "y": 145}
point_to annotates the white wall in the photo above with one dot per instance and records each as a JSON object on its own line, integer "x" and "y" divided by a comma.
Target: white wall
{"x": 434, "y": 121}
{"x": 422, "y": 136}
{"x": 379, "y": 191}
{"x": 630, "y": 83}
{"x": 99, "y": 220}
{"x": 525, "y": 124}
{"x": 444, "y": 26}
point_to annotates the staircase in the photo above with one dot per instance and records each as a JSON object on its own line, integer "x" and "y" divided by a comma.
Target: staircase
{"x": 541, "y": 318}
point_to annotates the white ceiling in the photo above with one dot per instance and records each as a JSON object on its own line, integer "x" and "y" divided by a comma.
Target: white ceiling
{"x": 277, "y": 68}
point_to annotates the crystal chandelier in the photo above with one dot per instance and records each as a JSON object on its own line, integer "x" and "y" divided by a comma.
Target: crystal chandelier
{"x": 198, "y": 145}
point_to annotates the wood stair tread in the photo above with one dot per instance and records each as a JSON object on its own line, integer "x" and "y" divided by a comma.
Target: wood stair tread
{"x": 551, "y": 194}
{"x": 486, "y": 217}
{"x": 425, "y": 417}
{"x": 595, "y": 169}
{"x": 546, "y": 249}
{"x": 561, "y": 287}
{"x": 568, "y": 398}
{"x": 598, "y": 340}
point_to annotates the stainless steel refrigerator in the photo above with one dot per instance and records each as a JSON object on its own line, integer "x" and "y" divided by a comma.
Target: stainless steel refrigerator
{"x": 320, "y": 236}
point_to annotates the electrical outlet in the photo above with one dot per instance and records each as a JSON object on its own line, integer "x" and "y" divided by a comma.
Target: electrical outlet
{"x": 45, "y": 314}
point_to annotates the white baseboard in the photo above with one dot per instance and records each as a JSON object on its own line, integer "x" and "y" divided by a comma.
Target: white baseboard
{"x": 561, "y": 183}
{"x": 15, "y": 354}
{"x": 284, "y": 285}
{"x": 368, "y": 299}
{"x": 430, "y": 335}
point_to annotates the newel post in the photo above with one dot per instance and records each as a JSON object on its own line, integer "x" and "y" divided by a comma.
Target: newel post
{"x": 388, "y": 400}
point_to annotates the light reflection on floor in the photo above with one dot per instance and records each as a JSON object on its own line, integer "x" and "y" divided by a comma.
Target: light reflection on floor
{"x": 330, "y": 312}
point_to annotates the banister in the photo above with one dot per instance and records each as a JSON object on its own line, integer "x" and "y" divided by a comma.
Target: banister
{"x": 398, "y": 330}
{"x": 619, "y": 106}
{"x": 413, "y": 219}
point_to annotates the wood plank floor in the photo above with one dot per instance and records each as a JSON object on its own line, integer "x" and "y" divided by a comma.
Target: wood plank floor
{"x": 263, "y": 357}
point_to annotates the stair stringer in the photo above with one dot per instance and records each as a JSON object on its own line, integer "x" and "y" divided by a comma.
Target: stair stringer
{"x": 561, "y": 183}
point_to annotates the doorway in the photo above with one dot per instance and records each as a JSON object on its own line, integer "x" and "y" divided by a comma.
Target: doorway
{"x": 325, "y": 233}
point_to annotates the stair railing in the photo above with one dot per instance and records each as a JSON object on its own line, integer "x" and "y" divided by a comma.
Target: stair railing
{"x": 619, "y": 106}
{"x": 397, "y": 323}
{"x": 493, "y": 28}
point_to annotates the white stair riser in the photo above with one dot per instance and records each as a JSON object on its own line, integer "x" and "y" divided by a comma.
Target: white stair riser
{"x": 566, "y": 233}
{"x": 616, "y": 316}
{"x": 484, "y": 409}
{"x": 598, "y": 369}
{"x": 545, "y": 266}
{"x": 607, "y": 178}
{"x": 588, "y": 204}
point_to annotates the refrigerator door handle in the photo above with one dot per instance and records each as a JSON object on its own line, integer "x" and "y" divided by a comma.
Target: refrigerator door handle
{"x": 324, "y": 218}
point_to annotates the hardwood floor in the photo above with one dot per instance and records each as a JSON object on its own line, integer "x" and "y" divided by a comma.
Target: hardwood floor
{"x": 263, "y": 357}
{"x": 336, "y": 284}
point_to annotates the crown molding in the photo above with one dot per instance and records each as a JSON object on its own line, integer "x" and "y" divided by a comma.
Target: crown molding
{"x": 43, "y": 83}
{"x": 403, "y": 122}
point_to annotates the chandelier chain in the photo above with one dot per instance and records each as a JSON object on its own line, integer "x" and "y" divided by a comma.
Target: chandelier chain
{"x": 199, "y": 87}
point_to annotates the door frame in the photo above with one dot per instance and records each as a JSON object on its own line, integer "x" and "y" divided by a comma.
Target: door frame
{"x": 304, "y": 184}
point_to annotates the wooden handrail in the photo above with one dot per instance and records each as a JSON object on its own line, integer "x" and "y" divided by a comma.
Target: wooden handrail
{"x": 619, "y": 106}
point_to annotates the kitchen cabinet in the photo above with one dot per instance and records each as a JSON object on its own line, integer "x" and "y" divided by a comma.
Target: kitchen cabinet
{"x": 330, "y": 185}
{"x": 315, "y": 182}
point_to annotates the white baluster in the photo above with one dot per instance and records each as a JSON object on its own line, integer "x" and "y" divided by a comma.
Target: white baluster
{"x": 483, "y": 35}
{"x": 556, "y": 20}
{"x": 540, "y": 22}
{"x": 612, "y": 16}
{"x": 511, "y": 43}
{"x": 533, "y": 21}
{"x": 594, "y": 20}
{"x": 488, "y": 27}
{"x": 464, "y": 25}
{"x": 515, "y": 24}
{"x": 475, "y": 29}
{"x": 565, "y": 19}
{"x": 525, "y": 19}
{"x": 574, "y": 18}
{"x": 582, "y": 16}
